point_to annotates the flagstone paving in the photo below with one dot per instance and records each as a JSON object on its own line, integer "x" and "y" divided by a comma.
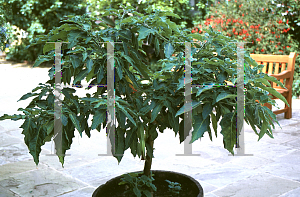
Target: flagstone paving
{"x": 273, "y": 170}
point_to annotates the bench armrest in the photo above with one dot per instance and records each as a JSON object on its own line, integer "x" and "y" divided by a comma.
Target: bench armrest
{"x": 283, "y": 75}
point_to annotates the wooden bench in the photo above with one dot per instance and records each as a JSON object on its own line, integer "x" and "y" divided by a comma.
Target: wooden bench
{"x": 284, "y": 72}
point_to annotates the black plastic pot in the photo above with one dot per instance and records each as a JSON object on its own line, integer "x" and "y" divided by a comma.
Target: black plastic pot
{"x": 190, "y": 187}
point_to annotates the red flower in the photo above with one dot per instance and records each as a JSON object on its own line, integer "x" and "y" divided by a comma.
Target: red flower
{"x": 280, "y": 21}
{"x": 252, "y": 27}
{"x": 287, "y": 46}
{"x": 262, "y": 50}
{"x": 276, "y": 46}
{"x": 233, "y": 30}
{"x": 197, "y": 29}
{"x": 288, "y": 29}
{"x": 287, "y": 21}
{"x": 263, "y": 9}
{"x": 193, "y": 31}
{"x": 247, "y": 34}
{"x": 257, "y": 39}
{"x": 273, "y": 32}
{"x": 235, "y": 33}
{"x": 200, "y": 31}
{"x": 219, "y": 30}
{"x": 241, "y": 21}
{"x": 284, "y": 47}
{"x": 244, "y": 38}
{"x": 258, "y": 25}
{"x": 262, "y": 36}
{"x": 228, "y": 20}
{"x": 242, "y": 14}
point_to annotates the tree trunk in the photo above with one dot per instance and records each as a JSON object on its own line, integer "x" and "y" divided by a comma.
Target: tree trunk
{"x": 148, "y": 161}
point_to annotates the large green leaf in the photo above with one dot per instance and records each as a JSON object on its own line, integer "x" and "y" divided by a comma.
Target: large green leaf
{"x": 214, "y": 122}
{"x": 168, "y": 13}
{"x": 224, "y": 95}
{"x": 75, "y": 122}
{"x": 228, "y": 125}
{"x": 130, "y": 134}
{"x": 98, "y": 118}
{"x": 262, "y": 80}
{"x": 200, "y": 126}
{"x": 141, "y": 137}
{"x": 147, "y": 108}
{"x": 75, "y": 61}
{"x": 194, "y": 105}
{"x": 119, "y": 141}
{"x": 81, "y": 75}
{"x": 26, "y": 96}
{"x": 62, "y": 35}
{"x": 207, "y": 108}
{"x": 48, "y": 47}
{"x": 144, "y": 32}
{"x": 156, "y": 45}
{"x": 126, "y": 113}
{"x": 41, "y": 59}
{"x": 272, "y": 91}
{"x": 169, "y": 50}
{"x": 12, "y": 117}
{"x": 155, "y": 111}
{"x": 73, "y": 37}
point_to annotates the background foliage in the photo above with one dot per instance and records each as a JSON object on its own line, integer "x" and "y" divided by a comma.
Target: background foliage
{"x": 261, "y": 23}
{"x": 36, "y": 17}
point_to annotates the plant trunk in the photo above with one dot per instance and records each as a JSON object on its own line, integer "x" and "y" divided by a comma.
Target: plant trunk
{"x": 148, "y": 161}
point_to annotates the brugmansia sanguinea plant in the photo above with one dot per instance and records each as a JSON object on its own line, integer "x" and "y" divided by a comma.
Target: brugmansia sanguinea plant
{"x": 159, "y": 103}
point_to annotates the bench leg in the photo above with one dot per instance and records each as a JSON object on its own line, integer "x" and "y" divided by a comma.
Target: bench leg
{"x": 288, "y": 114}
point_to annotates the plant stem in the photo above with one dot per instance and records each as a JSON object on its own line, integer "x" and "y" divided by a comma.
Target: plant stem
{"x": 148, "y": 161}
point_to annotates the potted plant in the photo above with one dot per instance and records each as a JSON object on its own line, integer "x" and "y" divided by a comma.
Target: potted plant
{"x": 141, "y": 78}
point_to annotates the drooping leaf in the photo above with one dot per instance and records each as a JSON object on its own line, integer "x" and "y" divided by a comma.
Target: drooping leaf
{"x": 155, "y": 111}
{"x": 126, "y": 113}
{"x": 169, "y": 50}
{"x": 194, "y": 105}
{"x": 224, "y": 95}
{"x": 214, "y": 122}
{"x": 206, "y": 110}
{"x": 75, "y": 122}
{"x": 228, "y": 125}
{"x": 48, "y": 47}
{"x": 200, "y": 126}
{"x": 26, "y": 96}
{"x": 144, "y": 32}
{"x": 41, "y": 59}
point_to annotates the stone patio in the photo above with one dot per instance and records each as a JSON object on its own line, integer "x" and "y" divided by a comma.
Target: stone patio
{"x": 273, "y": 170}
